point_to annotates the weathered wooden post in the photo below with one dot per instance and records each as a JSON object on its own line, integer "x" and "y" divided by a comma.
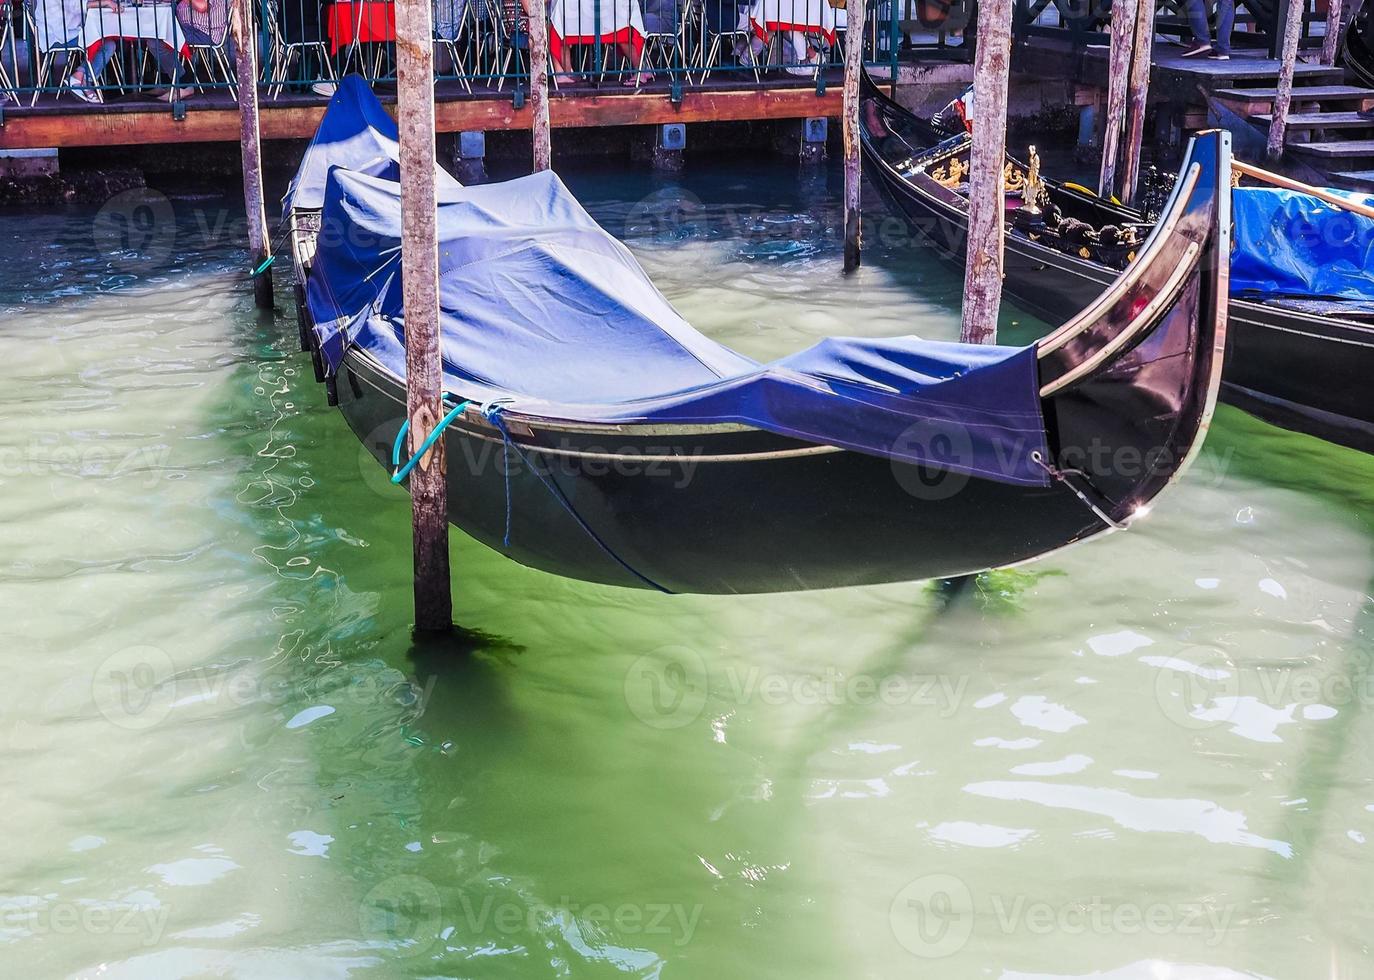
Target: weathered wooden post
{"x": 986, "y": 204}
{"x": 1333, "y": 32}
{"x": 1283, "y": 97}
{"x": 1118, "y": 73}
{"x": 856, "y": 18}
{"x": 1137, "y": 95}
{"x": 539, "y": 81}
{"x": 420, "y": 296}
{"x": 250, "y": 145}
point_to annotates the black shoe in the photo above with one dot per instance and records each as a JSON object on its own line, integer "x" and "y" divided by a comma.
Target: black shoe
{"x": 1197, "y": 51}
{"x": 1218, "y": 56}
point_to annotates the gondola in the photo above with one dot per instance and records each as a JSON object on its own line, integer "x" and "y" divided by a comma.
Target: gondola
{"x": 1300, "y": 361}
{"x": 595, "y": 435}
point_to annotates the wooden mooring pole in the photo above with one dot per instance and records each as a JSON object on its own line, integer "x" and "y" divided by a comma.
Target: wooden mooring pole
{"x": 1118, "y": 73}
{"x": 1283, "y": 97}
{"x": 420, "y": 296}
{"x": 250, "y": 145}
{"x": 1137, "y": 95}
{"x": 539, "y": 82}
{"x": 1333, "y": 32}
{"x": 853, "y": 166}
{"x": 986, "y": 205}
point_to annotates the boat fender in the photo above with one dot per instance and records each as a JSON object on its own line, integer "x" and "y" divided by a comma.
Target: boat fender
{"x": 399, "y": 472}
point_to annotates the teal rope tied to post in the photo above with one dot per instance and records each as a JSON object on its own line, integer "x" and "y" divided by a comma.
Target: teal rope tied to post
{"x": 399, "y": 472}
{"x": 262, "y": 268}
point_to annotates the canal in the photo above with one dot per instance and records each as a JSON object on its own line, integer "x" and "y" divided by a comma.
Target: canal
{"x": 1146, "y": 757}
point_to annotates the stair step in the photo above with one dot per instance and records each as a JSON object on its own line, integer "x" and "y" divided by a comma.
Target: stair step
{"x": 1359, "y": 180}
{"x": 1343, "y": 148}
{"x": 1321, "y": 120}
{"x": 1304, "y": 93}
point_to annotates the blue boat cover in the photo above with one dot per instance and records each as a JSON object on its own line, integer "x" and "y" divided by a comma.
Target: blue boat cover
{"x": 356, "y": 133}
{"x": 1290, "y": 245}
{"x": 546, "y": 314}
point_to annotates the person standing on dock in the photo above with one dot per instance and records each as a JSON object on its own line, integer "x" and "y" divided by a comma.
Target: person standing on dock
{"x": 1203, "y": 45}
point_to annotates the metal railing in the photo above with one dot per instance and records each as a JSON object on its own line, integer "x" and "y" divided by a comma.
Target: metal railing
{"x": 1258, "y": 24}
{"x": 69, "y": 54}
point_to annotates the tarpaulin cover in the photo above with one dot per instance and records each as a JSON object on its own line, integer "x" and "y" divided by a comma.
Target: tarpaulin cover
{"x": 1294, "y": 245}
{"x": 356, "y": 133}
{"x": 545, "y": 313}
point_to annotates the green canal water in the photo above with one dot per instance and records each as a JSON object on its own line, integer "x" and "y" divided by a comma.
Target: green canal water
{"x": 1148, "y": 757}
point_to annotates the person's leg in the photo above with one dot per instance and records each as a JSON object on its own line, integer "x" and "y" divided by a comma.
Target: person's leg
{"x": 1197, "y": 20}
{"x": 1226, "y": 20}
{"x": 171, "y": 65}
{"x": 101, "y": 59}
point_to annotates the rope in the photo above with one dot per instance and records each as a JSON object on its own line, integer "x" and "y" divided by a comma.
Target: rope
{"x": 493, "y": 415}
{"x": 400, "y": 472}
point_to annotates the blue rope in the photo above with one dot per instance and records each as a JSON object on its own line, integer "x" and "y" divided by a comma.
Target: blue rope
{"x": 400, "y": 472}
{"x": 493, "y": 415}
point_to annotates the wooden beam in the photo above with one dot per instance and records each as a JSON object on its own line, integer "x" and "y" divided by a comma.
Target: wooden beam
{"x": 250, "y": 146}
{"x": 420, "y": 299}
{"x": 1118, "y": 72}
{"x": 1333, "y": 32}
{"x": 1283, "y": 97}
{"x": 853, "y": 168}
{"x": 986, "y": 206}
{"x": 538, "y": 12}
{"x": 116, "y": 126}
{"x": 1288, "y": 183}
{"x": 1138, "y": 95}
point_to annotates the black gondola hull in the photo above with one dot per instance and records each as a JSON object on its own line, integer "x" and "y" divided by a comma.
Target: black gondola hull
{"x": 803, "y": 522}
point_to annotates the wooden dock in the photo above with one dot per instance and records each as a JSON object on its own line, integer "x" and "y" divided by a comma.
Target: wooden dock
{"x": 213, "y": 116}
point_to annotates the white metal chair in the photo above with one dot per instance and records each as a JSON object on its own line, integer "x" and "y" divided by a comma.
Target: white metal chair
{"x": 736, "y": 36}
{"x": 9, "y": 87}
{"x": 215, "y": 60}
{"x": 72, "y": 55}
{"x": 283, "y": 54}
{"x": 509, "y": 23}
{"x": 665, "y": 44}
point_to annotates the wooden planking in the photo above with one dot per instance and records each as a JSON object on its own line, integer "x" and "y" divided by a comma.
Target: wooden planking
{"x": 1345, "y": 148}
{"x": 1321, "y": 120}
{"x": 26, "y": 130}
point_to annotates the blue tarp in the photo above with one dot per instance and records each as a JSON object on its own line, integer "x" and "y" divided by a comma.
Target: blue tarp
{"x": 547, "y": 314}
{"x": 357, "y": 134}
{"x": 1294, "y": 245}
